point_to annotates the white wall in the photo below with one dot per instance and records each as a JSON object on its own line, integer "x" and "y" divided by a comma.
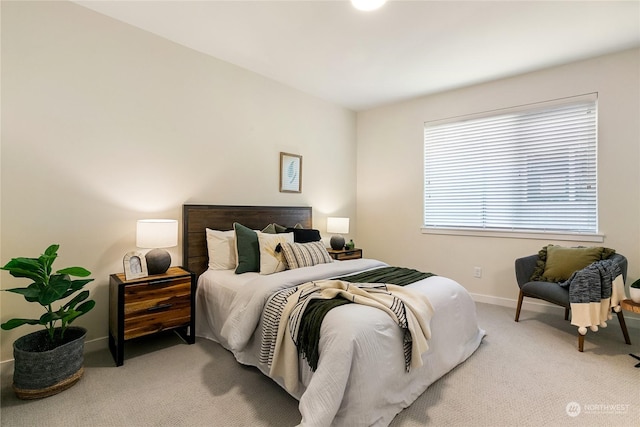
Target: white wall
{"x": 104, "y": 124}
{"x": 390, "y": 173}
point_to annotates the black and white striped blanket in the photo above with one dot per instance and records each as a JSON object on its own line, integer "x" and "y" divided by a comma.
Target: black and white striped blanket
{"x": 593, "y": 291}
{"x": 310, "y": 321}
{"x": 282, "y": 320}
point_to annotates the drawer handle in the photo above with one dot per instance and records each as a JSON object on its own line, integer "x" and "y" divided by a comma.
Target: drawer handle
{"x": 160, "y": 281}
{"x": 159, "y": 307}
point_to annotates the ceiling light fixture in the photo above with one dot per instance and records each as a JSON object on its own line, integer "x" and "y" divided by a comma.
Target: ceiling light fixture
{"x": 368, "y": 4}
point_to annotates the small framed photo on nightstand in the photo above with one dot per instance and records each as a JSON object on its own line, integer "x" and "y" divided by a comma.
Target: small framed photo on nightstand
{"x": 135, "y": 265}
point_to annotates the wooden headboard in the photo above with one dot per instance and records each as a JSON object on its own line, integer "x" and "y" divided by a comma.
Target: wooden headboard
{"x": 196, "y": 218}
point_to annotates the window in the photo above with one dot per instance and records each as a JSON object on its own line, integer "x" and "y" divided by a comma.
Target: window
{"x": 527, "y": 169}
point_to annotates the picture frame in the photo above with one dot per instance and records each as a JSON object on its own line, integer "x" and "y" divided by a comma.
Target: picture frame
{"x": 135, "y": 265}
{"x": 290, "y": 173}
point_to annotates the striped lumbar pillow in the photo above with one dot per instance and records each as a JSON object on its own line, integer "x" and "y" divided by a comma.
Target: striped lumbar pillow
{"x": 305, "y": 254}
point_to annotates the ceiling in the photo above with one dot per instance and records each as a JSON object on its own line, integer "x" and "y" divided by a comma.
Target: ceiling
{"x": 406, "y": 49}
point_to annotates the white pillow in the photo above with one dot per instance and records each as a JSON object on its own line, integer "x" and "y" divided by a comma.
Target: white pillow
{"x": 270, "y": 260}
{"x": 221, "y": 246}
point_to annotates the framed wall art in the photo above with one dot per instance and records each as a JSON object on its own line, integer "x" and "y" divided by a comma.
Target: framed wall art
{"x": 290, "y": 173}
{"x": 135, "y": 265}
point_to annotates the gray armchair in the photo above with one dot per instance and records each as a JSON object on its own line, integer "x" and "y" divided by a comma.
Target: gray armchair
{"x": 555, "y": 294}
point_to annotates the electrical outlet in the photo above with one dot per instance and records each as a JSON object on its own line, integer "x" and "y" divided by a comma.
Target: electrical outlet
{"x": 477, "y": 272}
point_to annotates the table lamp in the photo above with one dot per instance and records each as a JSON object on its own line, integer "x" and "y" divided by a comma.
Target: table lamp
{"x": 157, "y": 234}
{"x": 338, "y": 226}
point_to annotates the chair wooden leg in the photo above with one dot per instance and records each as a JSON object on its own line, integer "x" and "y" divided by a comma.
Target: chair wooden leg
{"x": 580, "y": 342}
{"x": 566, "y": 314}
{"x": 520, "y": 298}
{"x": 623, "y": 325}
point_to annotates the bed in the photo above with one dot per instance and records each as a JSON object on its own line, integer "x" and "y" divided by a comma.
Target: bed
{"x": 361, "y": 378}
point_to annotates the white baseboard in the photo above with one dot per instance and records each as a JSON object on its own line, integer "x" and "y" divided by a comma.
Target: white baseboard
{"x": 539, "y": 306}
{"x": 96, "y": 344}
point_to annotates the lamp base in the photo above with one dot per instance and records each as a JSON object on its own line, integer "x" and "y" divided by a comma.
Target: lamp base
{"x": 158, "y": 261}
{"x": 337, "y": 242}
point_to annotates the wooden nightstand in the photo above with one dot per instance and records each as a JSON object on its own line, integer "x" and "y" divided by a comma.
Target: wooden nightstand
{"x": 343, "y": 254}
{"x": 629, "y": 305}
{"x": 634, "y": 307}
{"x": 151, "y": 304}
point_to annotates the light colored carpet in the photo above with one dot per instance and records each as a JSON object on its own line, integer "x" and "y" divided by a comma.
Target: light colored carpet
{"x": 523, "y": 374}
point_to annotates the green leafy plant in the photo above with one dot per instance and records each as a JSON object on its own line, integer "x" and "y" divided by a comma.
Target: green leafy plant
{"x": 635, "y": 284}
{"x": 47, "y": 288}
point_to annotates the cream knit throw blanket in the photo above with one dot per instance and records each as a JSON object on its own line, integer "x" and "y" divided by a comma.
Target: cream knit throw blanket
{"x": 411, "y": 310}
{"x": 593, "y": 292}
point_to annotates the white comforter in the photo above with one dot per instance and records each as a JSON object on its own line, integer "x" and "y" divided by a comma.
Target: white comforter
{"x": 360, "y": 380}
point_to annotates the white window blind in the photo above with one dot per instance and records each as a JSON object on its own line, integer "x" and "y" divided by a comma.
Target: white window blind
{"x": 530, "y": 169}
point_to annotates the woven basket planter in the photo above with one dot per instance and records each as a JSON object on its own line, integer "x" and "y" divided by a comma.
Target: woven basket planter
{"x": 40, "y": 374}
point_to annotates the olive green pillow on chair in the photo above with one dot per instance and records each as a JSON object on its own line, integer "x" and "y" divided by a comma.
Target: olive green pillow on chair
{"x": 558, "y": 263}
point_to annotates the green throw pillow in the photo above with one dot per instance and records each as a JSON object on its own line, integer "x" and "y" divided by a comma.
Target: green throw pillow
{"x": 557, "y": 263}
{"x": 270, "y": 229}
{"x": 280, "y": 228}
{"x": 274, "y": 228}
{"x": 247, "y": 249}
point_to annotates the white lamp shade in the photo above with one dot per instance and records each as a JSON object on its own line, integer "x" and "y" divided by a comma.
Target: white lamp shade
{"x": 157, "y": 233}
{"x": 337, "y": 225}
{"x": 367, "y": 4}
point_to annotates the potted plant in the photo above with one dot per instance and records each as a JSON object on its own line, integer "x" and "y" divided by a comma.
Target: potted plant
{"x": 634, "y": 291}
{"x": 49, "y": 361}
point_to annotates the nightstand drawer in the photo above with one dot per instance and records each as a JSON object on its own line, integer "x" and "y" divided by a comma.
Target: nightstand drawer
{"x": 150, "y": 308}
{"x": 343, "y": 255}
{"x": 142, "y": 296}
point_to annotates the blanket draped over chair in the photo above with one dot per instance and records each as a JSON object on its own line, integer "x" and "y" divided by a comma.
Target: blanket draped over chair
{"x": 410, "y": 310}
{"x": 593, "y": 292}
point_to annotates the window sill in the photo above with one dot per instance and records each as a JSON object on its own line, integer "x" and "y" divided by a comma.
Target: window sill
{"x": 574, "y": 237}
